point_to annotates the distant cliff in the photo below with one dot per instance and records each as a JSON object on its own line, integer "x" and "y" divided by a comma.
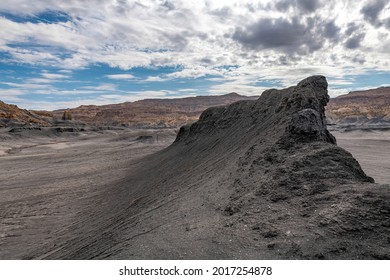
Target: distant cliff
{"x": 368, "y": 107}
{"x": 153, "y": 113}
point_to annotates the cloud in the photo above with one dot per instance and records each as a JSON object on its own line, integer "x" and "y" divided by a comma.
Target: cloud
{"x": 372, "y": 10}
{"x": 354, "y": 41}
{"x": 65, "y": 71}
{"x": 53, "y": 76}
{"x": 11, "y": 95}
{"x": 120, "y": 77}
{"x": 352, "y": 28}
{"x": 26, "y": 85}
{"x": 308, "y": 5}
{"x": 331, "y": 31}
{"x": 102, "y": 87}
{"x": 185, "y": 33}
{"x": 304, "y": 6}
{"x": 289, "y": 36}
{"x": 233, "y": 45}
{"x": 154, "y": 79}
{"x": 193, "y": 73}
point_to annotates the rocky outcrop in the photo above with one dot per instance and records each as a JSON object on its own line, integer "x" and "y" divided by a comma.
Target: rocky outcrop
{"x": 260, "y": 179}
{"x": 11, "y": 115}
{"x": 288, "y": 190}
{"x": 291, "y": 191}
{"x": 299, "y": 111}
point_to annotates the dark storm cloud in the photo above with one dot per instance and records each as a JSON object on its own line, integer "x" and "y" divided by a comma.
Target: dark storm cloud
{"x": 269, "y": 33}
{"x": 331, "y": 31}
{"x": 306, "y": 6}
{"x": 354, "y": 36}
{"x": 283, "y": 6}
{"x": 354, "y": 41}
{"x": 288, "y": 36}
{"x": 372, "y": 10}
{"x": 351, "y": 28}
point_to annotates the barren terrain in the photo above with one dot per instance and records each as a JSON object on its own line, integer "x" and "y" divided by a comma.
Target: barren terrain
{"x": 257, "y": 179}
{"x": 52, "y": 182}
{"x": 372, "y": 150}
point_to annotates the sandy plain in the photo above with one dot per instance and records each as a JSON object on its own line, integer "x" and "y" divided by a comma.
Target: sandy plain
{"x": 53, "y": 186}
{"x": 47, "y": 181}
{"x": 372, "y": 150}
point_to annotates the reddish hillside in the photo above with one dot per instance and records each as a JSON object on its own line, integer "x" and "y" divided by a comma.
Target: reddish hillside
{"x": 361, "y": 107}
{"x": 12, "y": 115}
{"x": 151, "y": 112}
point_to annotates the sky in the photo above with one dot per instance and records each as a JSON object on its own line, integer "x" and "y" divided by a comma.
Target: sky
{"x": 62, "y": 54}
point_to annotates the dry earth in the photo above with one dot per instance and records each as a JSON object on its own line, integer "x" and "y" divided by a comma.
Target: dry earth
{"x": 371, "y": 148}
{"x": 254, "y": 180}
{"x": 50, "y": 183}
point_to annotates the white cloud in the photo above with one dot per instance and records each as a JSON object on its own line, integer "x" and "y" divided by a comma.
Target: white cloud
{"x": 154, "y": 79}
{"x": 11, "y": 95}
{"x": 52, "y": 76}
{"x": 65, "y": 71}
{"x": 102, "y": 87}
{"x": 120, "y": 76}
{"x": 26, "y": 86}
{"x": 165, "y": 33}
{"x": 203, "y": 38}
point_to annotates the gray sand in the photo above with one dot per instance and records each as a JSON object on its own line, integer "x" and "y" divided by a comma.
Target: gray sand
{"x": 371, "y": 149}
{"x": 47, "y": 181}
{"x": 51, "y": 184}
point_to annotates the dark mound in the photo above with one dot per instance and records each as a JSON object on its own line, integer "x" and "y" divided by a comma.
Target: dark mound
{"x": 256, "y": 179}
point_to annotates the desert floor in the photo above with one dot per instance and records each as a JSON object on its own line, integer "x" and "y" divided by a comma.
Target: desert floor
{"x": 372, "y": 150}
{"x": 47, "y": 181}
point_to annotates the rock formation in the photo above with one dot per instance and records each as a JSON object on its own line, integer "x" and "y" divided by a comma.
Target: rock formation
{"x": 257, "y": 179}
{"x": 11, "y": 115}
{"x": 265, "y": 179}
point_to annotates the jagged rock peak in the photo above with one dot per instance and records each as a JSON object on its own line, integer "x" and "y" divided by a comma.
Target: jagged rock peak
{"x": 298, "y": 111}
{"x": 317, "y": 81}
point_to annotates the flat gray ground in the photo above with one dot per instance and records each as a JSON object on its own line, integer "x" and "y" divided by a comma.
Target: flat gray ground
{"x": 46, "y": 181}
{"x": 371, "y": 149}
{"x": 52, "y": 183}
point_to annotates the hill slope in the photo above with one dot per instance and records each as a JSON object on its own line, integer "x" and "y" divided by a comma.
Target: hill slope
{"x": 151, "y": 112}
{"x": 361, "y": 107}
{"x": 11, "y": 115}
{"x": 256, "y": 179}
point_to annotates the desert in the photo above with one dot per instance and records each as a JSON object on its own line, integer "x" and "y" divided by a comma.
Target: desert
{"x": 256, "y": 179}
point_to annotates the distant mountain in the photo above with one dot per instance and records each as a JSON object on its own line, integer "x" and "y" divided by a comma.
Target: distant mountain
{"x": 12, "y": 115}
{"x": 367, "y": 107}
{"x": 151, "y": 112}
